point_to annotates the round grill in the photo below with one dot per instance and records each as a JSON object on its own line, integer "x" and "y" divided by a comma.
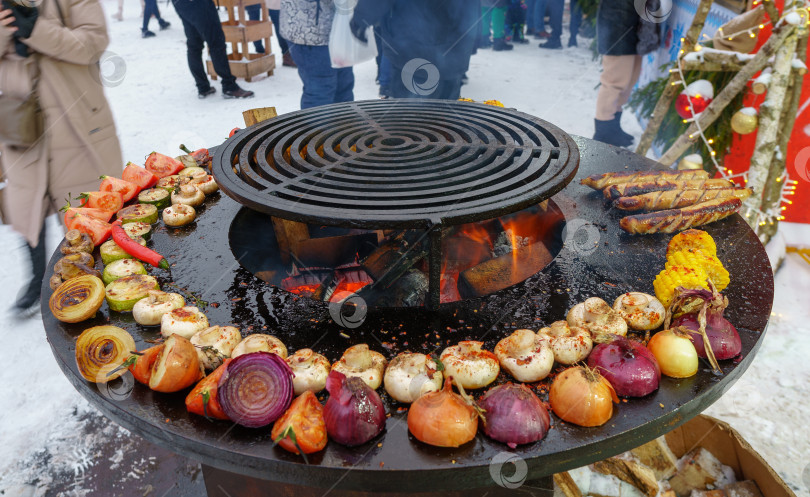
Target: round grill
{"x": 396, "y": 163}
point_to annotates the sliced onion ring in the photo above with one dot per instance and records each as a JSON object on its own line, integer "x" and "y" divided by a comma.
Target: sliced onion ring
{"x": 255, "y": 389}
{"x": 100, "y": 352}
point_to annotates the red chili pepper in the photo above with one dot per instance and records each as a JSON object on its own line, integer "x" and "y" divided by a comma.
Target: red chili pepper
{"x": 135, "y": 249}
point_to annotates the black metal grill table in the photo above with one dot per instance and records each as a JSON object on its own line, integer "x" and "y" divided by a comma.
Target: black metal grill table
{"x": 597, "y": 260}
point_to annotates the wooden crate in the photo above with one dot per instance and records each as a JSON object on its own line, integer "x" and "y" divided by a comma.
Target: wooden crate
{"x": 246, "y": 68}
{"x": 240, "y": 33}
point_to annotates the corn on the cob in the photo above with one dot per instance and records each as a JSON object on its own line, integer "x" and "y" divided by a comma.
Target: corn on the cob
{"x": 698, "y": 258}
{"x": 671, "y": 278}
{"x": 692, "y": 239}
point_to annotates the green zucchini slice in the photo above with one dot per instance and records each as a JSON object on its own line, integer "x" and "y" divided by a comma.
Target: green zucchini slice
{"x": 110, "y": 251}
{"x": 123, "y": 293}
{"x": 121, "y": 268}
{"x": 155, "y": 196}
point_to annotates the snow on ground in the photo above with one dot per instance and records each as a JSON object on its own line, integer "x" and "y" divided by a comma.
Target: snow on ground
{"x": 156, "y": 108}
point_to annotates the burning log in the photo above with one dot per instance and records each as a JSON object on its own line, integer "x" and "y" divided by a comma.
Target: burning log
{"x": 307, "y": 282}
{"x": 345, "y": 282}
{"x": 408, "y": 291}
{"x": 288, "y": 235}
{"x": 395, "y": 257}
{"x": 332, "y": 251}
{"x": 504, "y": 271}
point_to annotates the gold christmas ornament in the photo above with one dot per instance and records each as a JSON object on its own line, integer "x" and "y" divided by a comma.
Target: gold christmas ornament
{"x": 745, "y": 120}
{"x": 692, "y": 161}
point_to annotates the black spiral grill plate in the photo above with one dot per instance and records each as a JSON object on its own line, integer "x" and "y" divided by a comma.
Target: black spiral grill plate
{"x": 396, "y": 163}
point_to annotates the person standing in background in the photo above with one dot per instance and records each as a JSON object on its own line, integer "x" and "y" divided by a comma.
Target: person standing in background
{"x": 254, "y": 13}
{"x": 622, "y": 37}
{"x": 574, "y": 24}
{"x": 201, "y": 25}
{"x": 429, "y": 43}
{"x": 493, "y": 14}
{"x": 151, "y": 9}
{"x": 306, "y": 25}
{"x": 537, "y": 15}
{"x": 555, "y": 15}
{"x": 59, "y": 42}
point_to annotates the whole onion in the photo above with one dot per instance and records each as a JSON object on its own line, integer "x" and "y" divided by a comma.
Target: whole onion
{"x": 514, "y": 415}
{"x": 723, "y": 336}
{"x": 255, "y": 389}
{"x": 354, "y": 413}
{"x": 629, "y": 366}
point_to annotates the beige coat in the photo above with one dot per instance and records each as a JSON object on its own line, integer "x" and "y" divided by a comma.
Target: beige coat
{"x": 80, "y": 142}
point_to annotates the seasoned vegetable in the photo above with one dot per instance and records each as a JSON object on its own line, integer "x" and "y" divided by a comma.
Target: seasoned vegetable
{"x": 71, "y": 266}
{"x": 169, "y": 183}
{"x": 150, "y": 311}
{"x": 138, "y": 213}
{"x": 123, "y": 293}
{"x": 125, "y": 188}
{"x": 77, "y": 299}
{"x": 121, "y": 268}
{"x": 134, "y": 249}
{"x": 176, "y": 366}
{"x": 139, "y": 176}
{"x": 179, "y": 215}
{"x": 101, "y": 351}
{"x": 110, "y": 251}
{"x": 106, "y": 201}
{"x": 155, "y": 196}
{"x": 162, "y": 165}
{"x": 134, "y": 230}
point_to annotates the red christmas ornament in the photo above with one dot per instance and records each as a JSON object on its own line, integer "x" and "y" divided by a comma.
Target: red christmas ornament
{"x": 694, "y": 99}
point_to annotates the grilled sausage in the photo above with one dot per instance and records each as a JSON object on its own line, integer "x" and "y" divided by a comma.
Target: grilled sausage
{"x": 673, "y": 199}
{"x": 601, "y": 181}
{"x": 673, "y": 220}
{"x": 630, "y": 189}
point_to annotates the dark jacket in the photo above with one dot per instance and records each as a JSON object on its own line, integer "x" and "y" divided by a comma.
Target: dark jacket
{"x": 440, "y": 31}
{"x": 621, "y": 31}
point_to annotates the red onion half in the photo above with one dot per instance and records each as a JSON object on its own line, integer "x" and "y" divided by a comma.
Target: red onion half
{"x": 255, "y": 389}
{"x": 629, "y": 366}
{"x": 354, "y": 413}
{"x": 514, "y": 415}
{"x": 724, "y": 340}
{"x": 723, "y": 336}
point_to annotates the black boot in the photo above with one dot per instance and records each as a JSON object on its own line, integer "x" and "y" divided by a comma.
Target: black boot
{"x": 617, "y": 118}
{"x": 500, "y": 45}
{"x": 28, "y": 299}
{"x": 609, "y": 132}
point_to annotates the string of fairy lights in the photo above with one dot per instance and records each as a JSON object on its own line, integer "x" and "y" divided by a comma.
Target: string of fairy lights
{"x": 788, "y": 185}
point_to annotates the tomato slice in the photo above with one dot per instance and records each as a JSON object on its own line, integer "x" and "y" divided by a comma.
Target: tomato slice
{"x": 98, "y": 230}
{"x": 107, "y": 201}
{"x": 304, "y": 418}
{"x": 141, "y": 368}
{"x": 125, "y": 188}
{"x": 139, "y": 175}
{"x": 202, "y": 399}
{"x": 99, "y": 214}
{"x": 162, "y": 165}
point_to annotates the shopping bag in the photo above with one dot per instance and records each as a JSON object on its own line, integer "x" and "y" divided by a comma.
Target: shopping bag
{"x": 344, "y": 49}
